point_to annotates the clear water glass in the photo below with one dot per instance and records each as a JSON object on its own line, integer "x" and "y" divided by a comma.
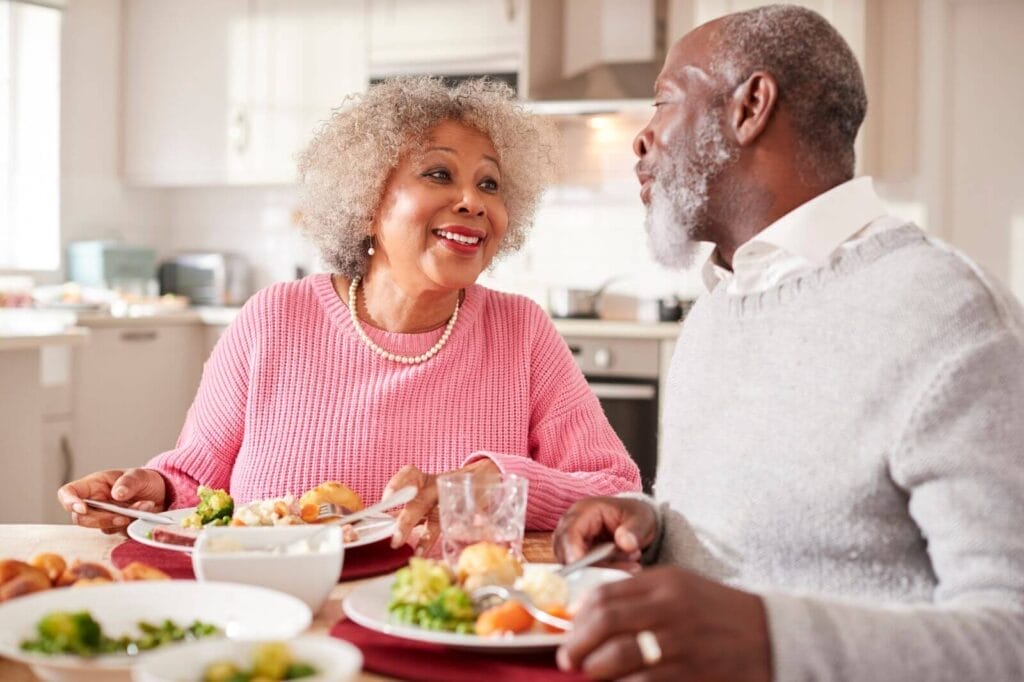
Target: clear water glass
{"x": 481, "y": 508}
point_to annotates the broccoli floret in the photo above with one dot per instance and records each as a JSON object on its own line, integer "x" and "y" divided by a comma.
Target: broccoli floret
{"x": 63, "y": 632}
{"x": 453, "y": 604}
{"x": 297, "y": 671}
{"x": 214, "y": 505}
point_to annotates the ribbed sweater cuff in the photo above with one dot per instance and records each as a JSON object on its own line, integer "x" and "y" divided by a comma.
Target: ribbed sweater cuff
{"x": 545, "y": 502}
{"x": 201, "y": 467}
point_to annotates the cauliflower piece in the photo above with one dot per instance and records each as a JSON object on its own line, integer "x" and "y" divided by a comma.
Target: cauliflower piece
{"x": 487, "y": 563}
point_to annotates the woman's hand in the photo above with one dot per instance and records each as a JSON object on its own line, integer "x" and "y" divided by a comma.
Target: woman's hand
{"x": 142, "y": 489}
{"x": 424, "y": 505}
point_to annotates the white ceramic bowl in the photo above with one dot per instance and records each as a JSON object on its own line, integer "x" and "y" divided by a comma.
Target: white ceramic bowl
{"x": 241, "y": 611}
{"x": 335, "y": 660}
{"x": 304, "y": 561}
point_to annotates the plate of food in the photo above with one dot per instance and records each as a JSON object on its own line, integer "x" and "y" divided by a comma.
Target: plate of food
{"x": 99, "y": 632}
{"x": 217, "y": 508}
{"x": 428, "y": 602}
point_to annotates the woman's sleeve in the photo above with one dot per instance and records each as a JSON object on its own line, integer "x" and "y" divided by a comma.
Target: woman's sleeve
{"x": 573, "y": 451}
{"x": 212, "y": 435}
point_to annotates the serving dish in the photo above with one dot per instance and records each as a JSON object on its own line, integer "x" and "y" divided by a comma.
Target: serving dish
{"x": 241, "y": 612}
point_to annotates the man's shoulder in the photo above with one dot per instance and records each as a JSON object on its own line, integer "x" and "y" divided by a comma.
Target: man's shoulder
{"x": 931, "y": 278}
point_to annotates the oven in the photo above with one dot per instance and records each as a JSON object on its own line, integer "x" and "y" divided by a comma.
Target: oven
{"x": 623, "y": 374}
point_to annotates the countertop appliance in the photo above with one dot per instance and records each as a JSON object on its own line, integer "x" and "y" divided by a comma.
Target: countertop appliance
{"x": 623, "y": 374}
{"x": 214, "y": 278}
{"x": 111, "y": 265}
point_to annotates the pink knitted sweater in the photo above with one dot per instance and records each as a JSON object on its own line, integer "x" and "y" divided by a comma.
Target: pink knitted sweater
{"x": 292, "y": 397}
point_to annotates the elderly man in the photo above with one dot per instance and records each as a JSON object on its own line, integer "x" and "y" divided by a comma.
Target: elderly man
{"x": 842, "y": 491}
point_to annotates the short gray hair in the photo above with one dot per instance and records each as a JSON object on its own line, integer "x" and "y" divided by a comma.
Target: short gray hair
{"x": 820, "y": 82}
{"x": 343, "y": 171}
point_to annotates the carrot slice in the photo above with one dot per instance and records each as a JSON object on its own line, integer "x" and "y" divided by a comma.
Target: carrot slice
{"x": 560, "y": 612}
{"x": 508, "y": 617}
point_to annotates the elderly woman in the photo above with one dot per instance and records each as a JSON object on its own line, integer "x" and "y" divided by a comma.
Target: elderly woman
{"x": 397, "y": 366}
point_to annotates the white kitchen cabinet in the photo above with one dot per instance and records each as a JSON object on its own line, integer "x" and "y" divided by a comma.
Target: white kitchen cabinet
{"x": 133, "y": 385}
{"x": 228, "y": 92}
{"x": 35, "y": 402}
{"x": 482, "y": 35}
{"x": 21, "y": 404}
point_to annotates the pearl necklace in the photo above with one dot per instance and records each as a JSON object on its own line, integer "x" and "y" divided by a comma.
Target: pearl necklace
{"x": 405, "y": 359}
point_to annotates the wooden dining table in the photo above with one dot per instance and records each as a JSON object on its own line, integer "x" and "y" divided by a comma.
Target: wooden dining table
{"x": 72, "y": 542}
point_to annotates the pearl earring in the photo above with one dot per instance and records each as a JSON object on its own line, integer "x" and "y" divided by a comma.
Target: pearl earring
{"x": 370, "y": 251}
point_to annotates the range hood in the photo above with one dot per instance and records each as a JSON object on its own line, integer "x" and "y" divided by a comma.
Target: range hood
{"x": 561, "y": 56}
{"x": 593, "y": 56}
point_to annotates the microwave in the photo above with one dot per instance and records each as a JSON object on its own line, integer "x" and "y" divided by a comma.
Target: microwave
{"x": 210, "y": 278}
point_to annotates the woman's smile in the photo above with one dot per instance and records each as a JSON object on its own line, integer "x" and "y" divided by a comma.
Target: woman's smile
{"x": 460, "y": 238}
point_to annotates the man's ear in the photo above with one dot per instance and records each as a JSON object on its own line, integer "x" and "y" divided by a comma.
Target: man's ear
{"x": 753, "y": 103}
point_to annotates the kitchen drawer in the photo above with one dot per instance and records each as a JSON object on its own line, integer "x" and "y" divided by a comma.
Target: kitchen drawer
{"x": 132, "y": 386}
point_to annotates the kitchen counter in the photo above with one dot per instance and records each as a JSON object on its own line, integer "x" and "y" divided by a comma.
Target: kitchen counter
{"x": 68, "y": 337}
{"x": 215, "y": 316}
{"x": 223, "y": 316}
{"x": 664, "y": 331}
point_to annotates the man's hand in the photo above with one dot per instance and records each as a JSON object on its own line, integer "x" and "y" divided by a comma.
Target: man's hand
{"x": 631, "y": 524}
{"x": 704, "y": 630}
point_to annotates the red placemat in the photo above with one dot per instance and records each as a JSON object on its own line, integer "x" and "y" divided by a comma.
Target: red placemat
{"x": 375, "y": 559}
{"x": 409, "y": 660}
{"x": 360, "y": 562}
{"x": 178, "y": 565}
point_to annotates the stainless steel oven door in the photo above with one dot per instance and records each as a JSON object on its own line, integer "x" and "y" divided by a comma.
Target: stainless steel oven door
{"x": 631, "y": 406}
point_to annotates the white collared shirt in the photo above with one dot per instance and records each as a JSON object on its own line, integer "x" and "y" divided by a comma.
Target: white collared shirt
{"x": 804, "y": 239}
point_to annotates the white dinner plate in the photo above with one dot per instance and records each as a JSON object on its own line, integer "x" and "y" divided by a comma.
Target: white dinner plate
{"x": 371, "y": 529}
{"x": 243, "y": 612}
{"x": 367, "y": 605}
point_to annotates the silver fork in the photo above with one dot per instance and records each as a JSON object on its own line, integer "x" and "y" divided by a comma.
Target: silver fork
{"x": 328, "y": 510}
{"x": 485, "y": 596}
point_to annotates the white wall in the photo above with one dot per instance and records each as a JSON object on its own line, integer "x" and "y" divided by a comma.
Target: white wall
{"x": 95, "y": 204}
{"x": 985, "y": 181}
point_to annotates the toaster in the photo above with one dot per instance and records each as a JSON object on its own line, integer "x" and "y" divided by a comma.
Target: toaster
{"x": 209, "y": 278}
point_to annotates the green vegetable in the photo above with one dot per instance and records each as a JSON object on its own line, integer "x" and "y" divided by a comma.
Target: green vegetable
{"x": 78, "y": 633}
{"x": 215, "y": 508}
{"x": 423, "y": 595}
{"x": 271, "y": 661}
{"x": 420, "y": 582}
{"x": 66, "y": 633}
{"x": 452, "y": 604}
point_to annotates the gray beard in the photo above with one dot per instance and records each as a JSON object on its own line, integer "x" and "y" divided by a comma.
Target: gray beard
{"x": 678, "y": 211}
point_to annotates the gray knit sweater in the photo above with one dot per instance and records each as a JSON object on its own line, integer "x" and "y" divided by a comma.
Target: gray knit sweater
{"x": 850, "y": 444}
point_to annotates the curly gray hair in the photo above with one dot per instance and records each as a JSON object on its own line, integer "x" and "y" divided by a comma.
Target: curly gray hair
{"x": 343, "y": 171}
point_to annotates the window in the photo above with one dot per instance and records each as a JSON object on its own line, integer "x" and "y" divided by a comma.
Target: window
{"x": 29, "y": 135}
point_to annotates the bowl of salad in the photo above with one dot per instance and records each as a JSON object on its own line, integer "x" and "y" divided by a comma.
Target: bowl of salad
{"x": 99, "y": 632}
{"x": 310, "y": 658}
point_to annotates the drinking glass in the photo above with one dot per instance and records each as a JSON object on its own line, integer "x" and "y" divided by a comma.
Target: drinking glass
{"x": 481, "y": 508}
